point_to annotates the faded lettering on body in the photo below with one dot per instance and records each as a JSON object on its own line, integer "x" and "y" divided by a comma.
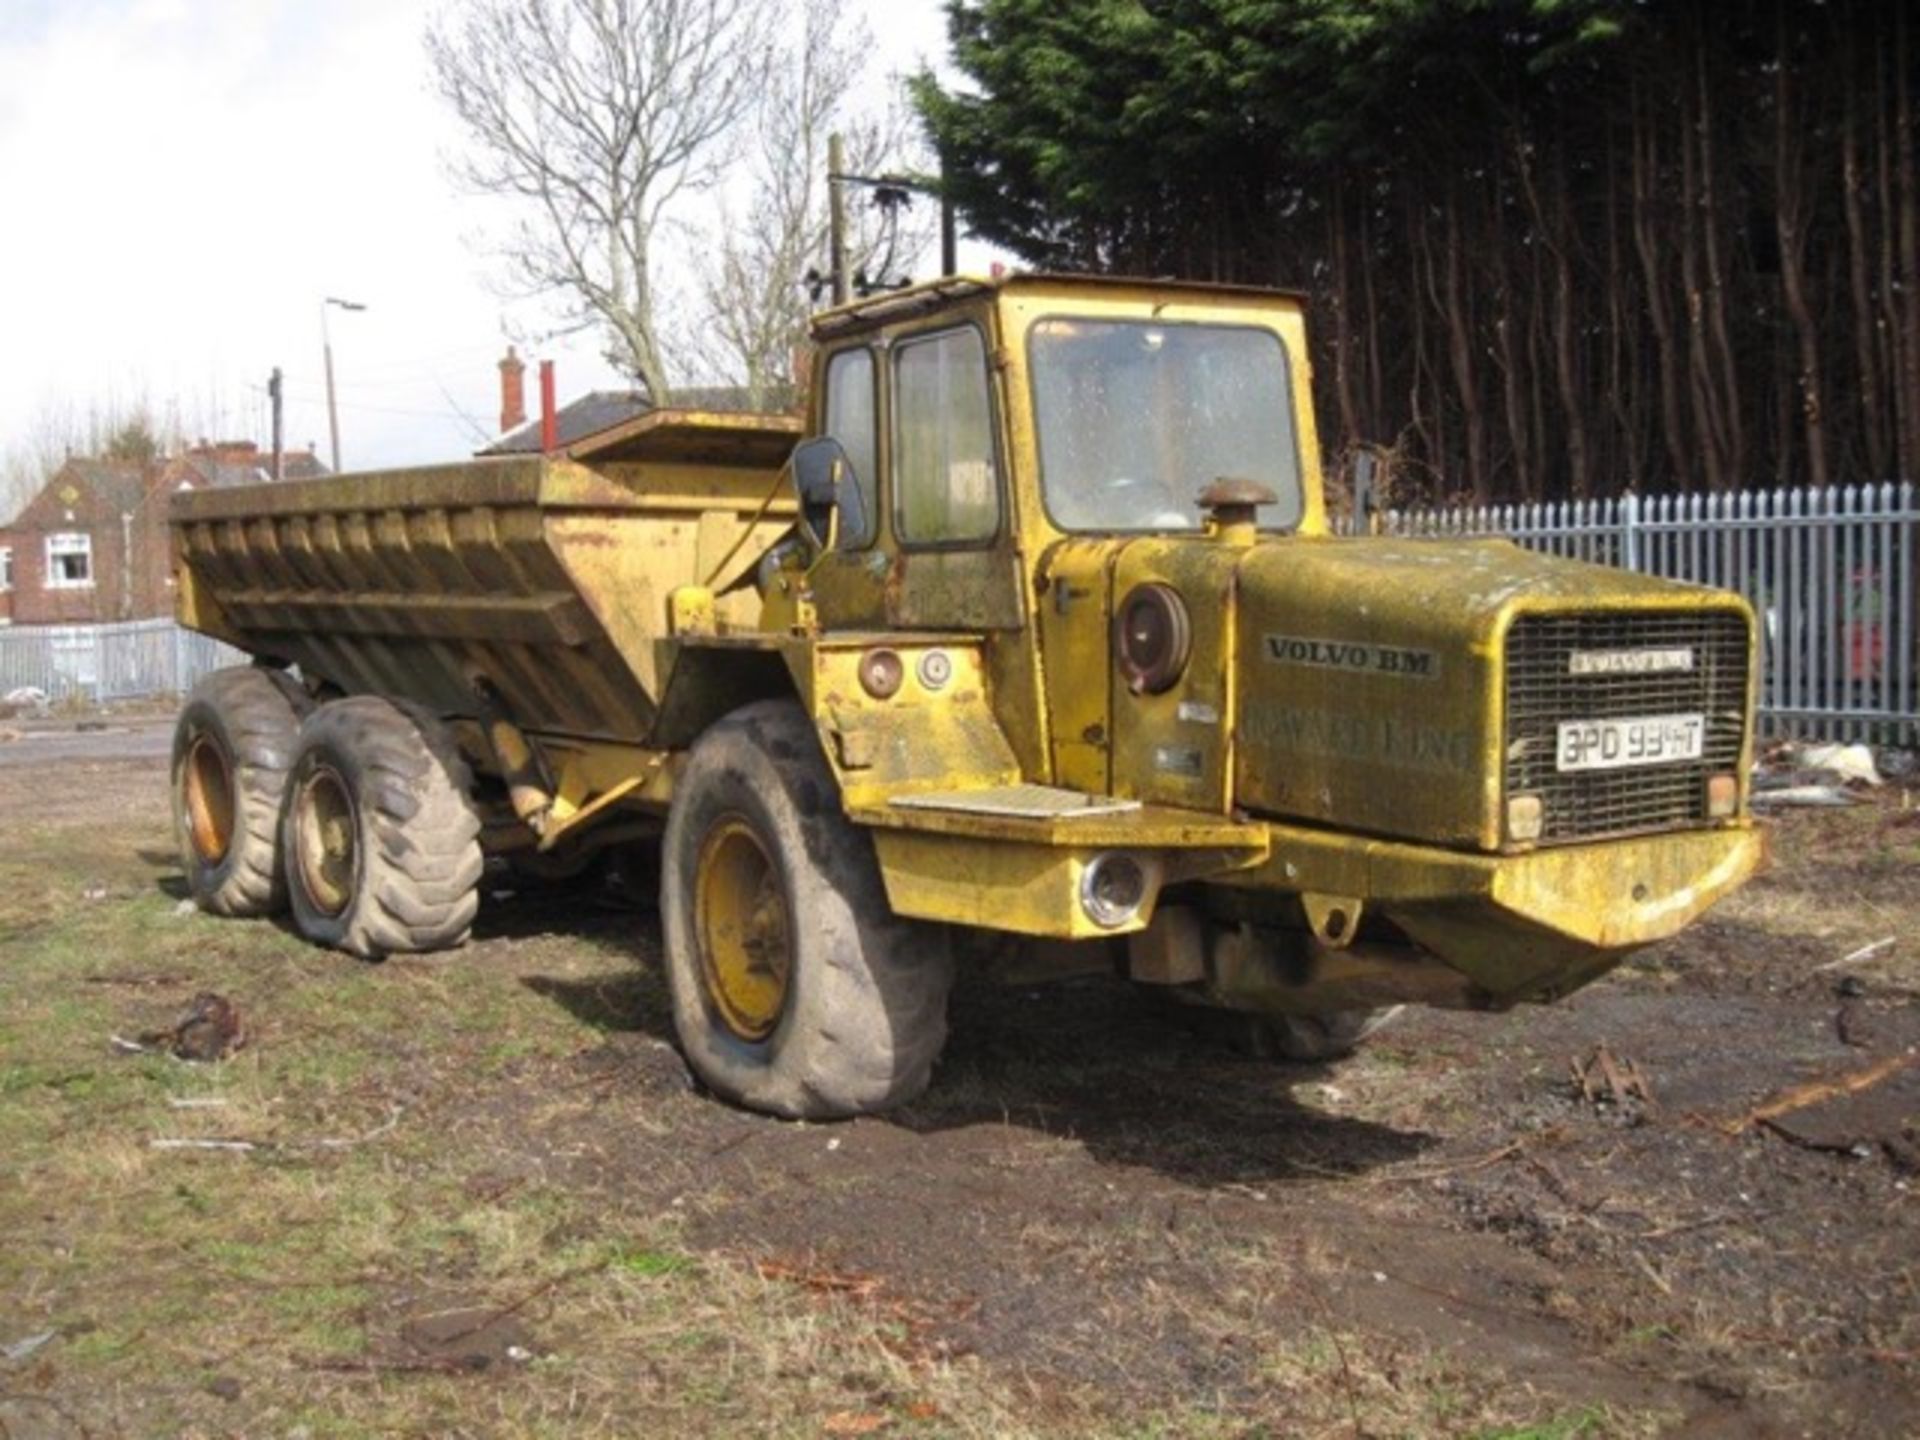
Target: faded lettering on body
{"x": 1389, "y": 739}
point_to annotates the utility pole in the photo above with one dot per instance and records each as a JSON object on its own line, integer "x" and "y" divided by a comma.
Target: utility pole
{"x": 949, "y": 225}
{"x": 279, "y": 424}
{"x": 837, "y": 219}
{"x": 326, "y": 345}
{"x": 126, "y": 564}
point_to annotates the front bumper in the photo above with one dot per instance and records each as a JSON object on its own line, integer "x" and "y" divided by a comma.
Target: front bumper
{"x": 1528, "y": 926}
{"x": 1531, "y": 926}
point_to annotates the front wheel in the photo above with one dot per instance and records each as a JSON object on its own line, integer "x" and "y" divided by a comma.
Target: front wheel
{"x": 795, "y": 988}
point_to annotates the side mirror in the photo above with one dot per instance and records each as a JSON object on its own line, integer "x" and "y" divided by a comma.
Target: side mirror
{"x": 830, "y": 500}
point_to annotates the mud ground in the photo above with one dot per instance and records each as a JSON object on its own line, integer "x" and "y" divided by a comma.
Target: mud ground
{"x": 1096, "y": 1215}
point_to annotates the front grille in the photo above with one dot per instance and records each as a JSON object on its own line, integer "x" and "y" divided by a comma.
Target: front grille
{"x": 1541, "y": 693}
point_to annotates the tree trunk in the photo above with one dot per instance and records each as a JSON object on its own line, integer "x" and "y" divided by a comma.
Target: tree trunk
{"x": 1646, "y": 242}
{"x": 1701, "y": 387}
{"x": 1866, "y": 344}
{"x": 1558, "y": 239}
{"x": 1519, "y": 438}
{"x": 1370, "y": 261}
{"x": 1343, "y": 329}
{"x": 1789, "y": 211}
{"x": 1909, "y": 236}
{"x": 1628, "y": 460}
{"x": 1460, "y": 356}
{"x": 1727, "y": 401}
{"x": 1904, "y": 399}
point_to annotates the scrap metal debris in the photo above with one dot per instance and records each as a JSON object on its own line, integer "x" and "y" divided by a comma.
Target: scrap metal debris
{"x": 1875, "y": 1119}
{"x": 819, "y": 1280}
{"x": 1852, "y": 1025}
{"x": 1854, "y": 957}
{"x": 1792, "y": 774}
{"x": 1849, "y": 764}
{"x": 23, "y": 700}
{"x": 917, "y": 1326}
{"x": 1801, "y": 1097}
{"x": 238, "y": 1147}
{"x": 208, "y": 1029}
{"x": 20, "y": 1349}
{"x": 1604, "y": 1078}
{"x": 1804, "y": 796}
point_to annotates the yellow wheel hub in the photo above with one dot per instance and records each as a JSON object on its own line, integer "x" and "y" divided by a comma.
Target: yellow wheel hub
{"x": 746, "y": 940}
{"x": 206, "y": 784}
{"x": 326, "y": 836}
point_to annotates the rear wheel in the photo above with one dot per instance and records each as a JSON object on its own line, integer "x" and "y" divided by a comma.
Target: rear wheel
{"x": 796, "y": 990}
{"x": 381, "y": 836}
{"x": 232, "y": 747}
{"x": 1304, "y": 1039}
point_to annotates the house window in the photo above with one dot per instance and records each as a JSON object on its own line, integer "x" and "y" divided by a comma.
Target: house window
{"x": 70, "y": 562}
{"x": 6, "y": 568}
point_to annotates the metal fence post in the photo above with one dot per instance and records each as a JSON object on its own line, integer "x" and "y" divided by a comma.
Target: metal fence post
{"x": 1629, "y": 531}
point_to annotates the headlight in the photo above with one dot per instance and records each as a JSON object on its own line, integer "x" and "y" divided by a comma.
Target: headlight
{"x": 1526, "y": 817}
{"x": 1113, "y": 888}
{"x": 1723, "y": 796}
{"x": 1152, "y": 637}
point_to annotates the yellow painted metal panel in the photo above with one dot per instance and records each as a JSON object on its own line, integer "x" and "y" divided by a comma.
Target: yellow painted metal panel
{"x": 1075, "y": 620}
{"x": 1177, "y": 747}
{"x": 925, "y": 736}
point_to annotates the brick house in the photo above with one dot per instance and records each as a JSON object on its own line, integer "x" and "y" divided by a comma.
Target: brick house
{"x": 92, "y": 546}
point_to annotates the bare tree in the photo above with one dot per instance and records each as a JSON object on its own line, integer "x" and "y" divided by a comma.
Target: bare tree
{"x": 754, "y": 301}
{"x": 596, "y": 116}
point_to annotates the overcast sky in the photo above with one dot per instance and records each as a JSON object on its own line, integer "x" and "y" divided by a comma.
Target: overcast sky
{"x": 186, "y": 179}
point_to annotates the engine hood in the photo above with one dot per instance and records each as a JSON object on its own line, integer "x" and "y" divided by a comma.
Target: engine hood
{"x": 1371, "y": 675}
{"x": 1360, "y": 683}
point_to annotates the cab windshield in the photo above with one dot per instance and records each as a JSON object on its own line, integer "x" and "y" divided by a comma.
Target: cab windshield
{"x": 1137, "y": 417}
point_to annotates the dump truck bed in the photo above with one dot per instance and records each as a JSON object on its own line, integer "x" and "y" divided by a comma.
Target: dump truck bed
{"x": 546, "y": 577}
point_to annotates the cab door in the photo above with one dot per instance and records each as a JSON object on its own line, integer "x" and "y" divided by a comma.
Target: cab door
{"x": 956, "y": 566}
{"x": 849, "y": 582}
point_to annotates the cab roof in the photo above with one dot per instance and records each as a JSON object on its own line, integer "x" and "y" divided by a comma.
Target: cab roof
{"x": 891, "y": 305}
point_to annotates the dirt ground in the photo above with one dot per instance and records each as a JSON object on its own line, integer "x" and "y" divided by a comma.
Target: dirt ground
{"x": 478, "y": 1194}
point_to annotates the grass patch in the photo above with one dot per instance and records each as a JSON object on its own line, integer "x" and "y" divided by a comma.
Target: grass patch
{"x": 653, "y": 1262}
{"x": 1587, "y": 1424}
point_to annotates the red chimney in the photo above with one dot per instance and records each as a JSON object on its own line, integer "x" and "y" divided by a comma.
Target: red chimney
{"x": 513, "y": 393}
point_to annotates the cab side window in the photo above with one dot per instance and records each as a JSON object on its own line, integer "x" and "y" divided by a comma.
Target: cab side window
{"x": 945, "y": 480}
{"x": 851, "y": 419}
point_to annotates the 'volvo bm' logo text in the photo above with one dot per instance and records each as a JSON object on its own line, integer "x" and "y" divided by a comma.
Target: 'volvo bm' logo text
{"x": 1351, "y": 655}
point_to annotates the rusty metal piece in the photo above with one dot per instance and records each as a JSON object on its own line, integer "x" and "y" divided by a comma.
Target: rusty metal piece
{"x": 1231, "y": 495}
{"x": 1604, "y": 1078}
{"x": 210, "y": 1028}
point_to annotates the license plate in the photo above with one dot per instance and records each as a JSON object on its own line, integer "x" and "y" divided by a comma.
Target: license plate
{"x": 1617, "y": 744}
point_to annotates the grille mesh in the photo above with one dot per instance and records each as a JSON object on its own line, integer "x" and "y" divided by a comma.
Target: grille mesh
{"x": 1541, "y": 694}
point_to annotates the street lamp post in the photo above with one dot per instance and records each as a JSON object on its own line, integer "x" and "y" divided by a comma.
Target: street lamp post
{"x": 326, "y": 346}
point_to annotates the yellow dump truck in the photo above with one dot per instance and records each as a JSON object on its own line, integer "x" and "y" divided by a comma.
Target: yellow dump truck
{"x": 1035, "y": 627}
